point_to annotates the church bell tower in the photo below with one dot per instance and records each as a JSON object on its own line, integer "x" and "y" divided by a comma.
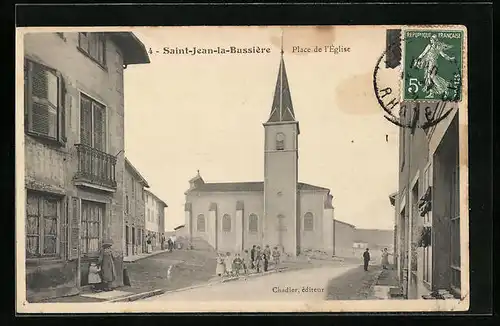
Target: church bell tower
{"x": 281, "y": 227}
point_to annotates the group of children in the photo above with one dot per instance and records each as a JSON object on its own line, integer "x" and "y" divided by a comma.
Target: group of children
{"x": 256, "y": 259}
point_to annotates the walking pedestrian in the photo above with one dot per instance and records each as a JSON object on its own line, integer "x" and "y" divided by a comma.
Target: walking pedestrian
{"x": 106, "y": 261}
{"x": 162, "y": 241}
{"x": 366, "y": 258}
{"x": 170, "y": 245}
{"x": 149, "y": 245}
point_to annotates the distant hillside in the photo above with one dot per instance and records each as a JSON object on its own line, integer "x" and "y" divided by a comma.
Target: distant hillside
{"x": 375, "y": 237}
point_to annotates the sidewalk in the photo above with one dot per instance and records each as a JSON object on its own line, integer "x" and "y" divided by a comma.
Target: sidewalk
{"x": 387, "y": 285}
{"x": 356, "y": 284}
{"x": 134, "y": 258}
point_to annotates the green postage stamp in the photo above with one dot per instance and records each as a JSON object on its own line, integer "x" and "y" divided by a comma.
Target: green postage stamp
{"x": 432, "y": 65}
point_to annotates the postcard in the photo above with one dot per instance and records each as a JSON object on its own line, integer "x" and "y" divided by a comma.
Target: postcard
{"x": 242, "y": 169}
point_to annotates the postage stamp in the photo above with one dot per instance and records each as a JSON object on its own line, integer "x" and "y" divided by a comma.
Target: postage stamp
{"x": 433, "y": 64}
{"x": 159, "y": 171}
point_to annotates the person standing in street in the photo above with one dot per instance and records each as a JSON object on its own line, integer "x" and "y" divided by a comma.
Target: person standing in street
{"x": 220, "y": 269}
{"x": 258, "y": 259}
{"x": 106, "y": 261}
{"x": 252, "y": 257}
{"x": 228, "y": 263}
{"x": 276, "y": 257}
{"x": 267, "y": 256}
{"x": 385, "y": 259}
{"x": 366, "y": 258}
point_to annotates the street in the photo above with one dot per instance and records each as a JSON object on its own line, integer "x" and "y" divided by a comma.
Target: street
{"x": 307, "y": 284}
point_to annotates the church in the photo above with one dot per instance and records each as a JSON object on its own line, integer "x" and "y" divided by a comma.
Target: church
{"x": 280, "y": 211}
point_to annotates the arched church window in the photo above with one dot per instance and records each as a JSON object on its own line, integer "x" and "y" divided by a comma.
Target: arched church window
{"x": 253, "y": 223}
{"x": 280, "y": 141}
{"x": 226, "y": 223}
{"x": 200, "y": 223}
{"x": 308, "y": 222}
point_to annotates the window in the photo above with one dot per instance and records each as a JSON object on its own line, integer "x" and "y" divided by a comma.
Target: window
{"x": 253, "y": 223}
{"x": 226, "y": 223}
{"x": 92, "y": 123}
{"x": 126, "y": 204}
{"x": 308, "y": 222}
{"x": 93, "y": 45}
{"x": 44, "y": 112}
{"x": 42, "y": 225}
{"x": 280, "y": 141}
{"x": 200, "y": 223}
{"x": 455, "y": 229}
{"x": 91, "y": 233}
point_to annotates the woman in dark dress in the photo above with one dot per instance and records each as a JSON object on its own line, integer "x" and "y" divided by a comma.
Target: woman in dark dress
{"x": 106, "y": 261}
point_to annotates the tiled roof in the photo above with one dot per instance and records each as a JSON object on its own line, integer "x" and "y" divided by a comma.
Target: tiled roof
{"x": 134, "y": 171}
{"x": 345, "y": 223}
{"x": 246, "y": 186}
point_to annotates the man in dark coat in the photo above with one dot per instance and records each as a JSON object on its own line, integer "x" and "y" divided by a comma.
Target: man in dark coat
{"x": 366, "y": 258}
{"x": 252, "y": 256}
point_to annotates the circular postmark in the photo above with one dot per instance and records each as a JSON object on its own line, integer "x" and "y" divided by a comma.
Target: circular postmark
{"x": 405, "y": 109}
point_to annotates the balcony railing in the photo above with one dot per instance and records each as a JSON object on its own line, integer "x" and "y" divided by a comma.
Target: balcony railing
{"x": 95, "y": 167}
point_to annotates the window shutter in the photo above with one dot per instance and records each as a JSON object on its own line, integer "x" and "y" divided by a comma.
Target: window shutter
{"x": 99, "y": 127}
{"x": 74, "y": 234}
{"x": 62, "y": 108}
{"x": 27, "y": 94}
{"x": 40, "y": 96}
{"x": 64, "y": 229}
{"x": 85, "y": 121}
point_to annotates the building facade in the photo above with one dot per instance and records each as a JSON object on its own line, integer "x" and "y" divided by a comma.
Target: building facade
{"x": 428, "y": 208}
{"x": 74, "y": 133}
{"x": 135, "y": 220}
{"x": 281, "y": 211}
{"x": 155, "y": 218}
{"x": 344, "y": 239}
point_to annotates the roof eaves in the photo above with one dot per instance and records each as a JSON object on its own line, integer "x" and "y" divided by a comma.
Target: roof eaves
{"x": 134, "y": 51}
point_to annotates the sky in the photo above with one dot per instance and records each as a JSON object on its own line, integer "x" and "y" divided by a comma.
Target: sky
{"x": 185, "y": 113}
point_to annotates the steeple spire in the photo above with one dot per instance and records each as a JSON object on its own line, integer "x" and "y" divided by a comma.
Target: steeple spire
{"x": 282, "y": 109}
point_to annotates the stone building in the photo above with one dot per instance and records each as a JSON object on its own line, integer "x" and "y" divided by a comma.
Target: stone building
{"x": 344, "y": 239}
{"x": 74, "y": 135}
{"x": 281, "y": 211}
{"x": 135, "y": 221}
{"x": 428, "y": 208}
{"x": 155, "y": 218}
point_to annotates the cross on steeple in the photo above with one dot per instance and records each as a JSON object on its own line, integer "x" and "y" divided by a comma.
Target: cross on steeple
{"x": 282, "y": 109}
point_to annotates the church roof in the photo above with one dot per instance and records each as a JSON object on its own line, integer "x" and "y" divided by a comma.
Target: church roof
{"x": 282, "y": 109}
{"x": 246, "y": 186}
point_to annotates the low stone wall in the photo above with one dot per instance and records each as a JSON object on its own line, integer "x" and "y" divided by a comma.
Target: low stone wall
{"x": 47, "y": 280}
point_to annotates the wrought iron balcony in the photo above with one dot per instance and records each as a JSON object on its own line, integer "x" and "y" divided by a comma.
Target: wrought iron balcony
{"x": 96, "y": 169}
